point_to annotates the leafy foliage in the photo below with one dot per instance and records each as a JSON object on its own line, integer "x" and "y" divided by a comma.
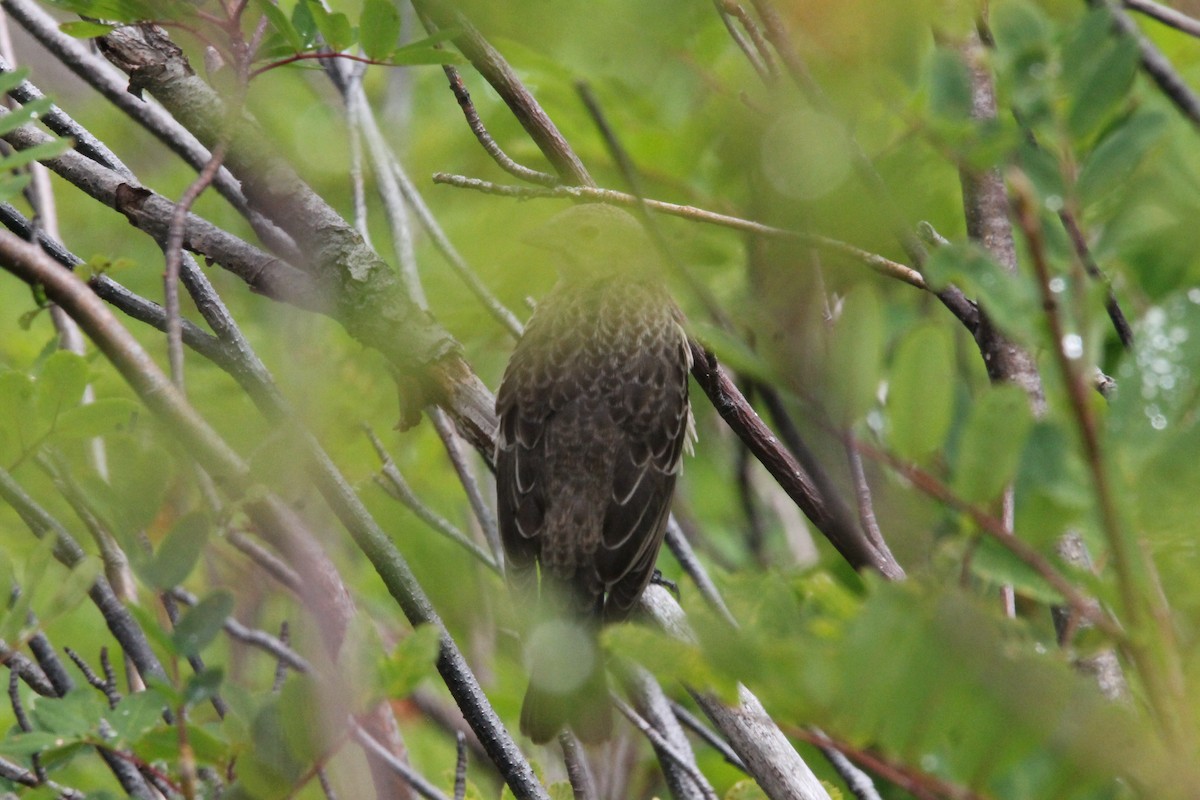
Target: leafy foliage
{"x": 930, "y": 677}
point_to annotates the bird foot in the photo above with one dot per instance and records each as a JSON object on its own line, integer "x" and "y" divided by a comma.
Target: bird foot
{"x": 658, "y": 580}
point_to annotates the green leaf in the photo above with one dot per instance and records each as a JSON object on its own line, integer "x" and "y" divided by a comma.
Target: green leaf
{"x": 426, "y": 51}
{"x": 920, "y": 396}
{"x": 11, "y": 80}
{"x": 379, "y": 29}
{"x": 17, "y": 392}
{"x": 1011, "y": 300}
{"x": 178, "y": 552}
{"x": 745, "y": 789}
{"x": 412, "y": 661}
{"x": 950, "y": 93}
{"x": 1052, "y": 488}
{"x": 203, "y": 685}
{"x": 71, "y": 592}
{"x": 1104, "y": 86}
{"x": 731, "y": 350}
{"x": 24, "y": 114}
{"x": 856, "y": 354}
{"x": 84, "y": 29}
{"x": 136, "y": 714}
{"x": 74, "y": 715}
{"x": 305, "y": 24}
{"x": 39, "y": 152}
{"x": 26, "y": 744}
{"x": 201, "y": 623}
{"x": 282, "y": 25}
{"x": 994, "y": 563}
{"x": 991, "y": 443}
{"x": 60, "y": 386}
{"x": 104, "y": 416}
{"x": 1113, "y": 161}
{"x": 334, "y": 27}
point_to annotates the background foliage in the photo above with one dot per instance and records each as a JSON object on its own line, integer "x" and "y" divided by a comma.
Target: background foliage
{"x": 954, "y": 682}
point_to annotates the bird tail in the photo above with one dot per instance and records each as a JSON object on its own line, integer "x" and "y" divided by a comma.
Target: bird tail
{"x": 567, "y": 683}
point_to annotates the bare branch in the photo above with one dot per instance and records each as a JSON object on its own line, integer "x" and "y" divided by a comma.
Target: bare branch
{"x": 880, "y": 264}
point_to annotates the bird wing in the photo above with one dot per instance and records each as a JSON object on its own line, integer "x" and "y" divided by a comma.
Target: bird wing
{"x": 520, "y": 495}
{"x": 652, "y": 411}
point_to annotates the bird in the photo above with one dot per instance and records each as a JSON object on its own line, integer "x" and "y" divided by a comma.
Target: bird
{"x": 593, "y": 422}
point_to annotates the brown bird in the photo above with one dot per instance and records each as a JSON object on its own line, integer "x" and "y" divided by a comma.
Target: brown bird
{"x": 594, "y": 417}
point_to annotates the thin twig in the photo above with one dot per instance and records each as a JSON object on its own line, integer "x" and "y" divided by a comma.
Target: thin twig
{"x": 274, "y": 646}
{"x": 1166, "y": 15}
{"x": 862, "y": 492}
{"x": 485, "y": 139}
{"x": 693, "y": 724}
{"x": 1157, "y": 657}
{"x": 755, "y": 48}
{"x": 370, "y": 129}
{"x": 1154, "y": 63}
{"x": 881, "y": 264}
{"x": 397, "y": 487}
{"x": 411, "y": 776}
{"x": 483, "y": 512}
{"x": 579, "y": 774}
{"x": 920, "y": 784}
{"x": 858, "y": 782}
{"x": 1084, "y": 254}
{"x": 665, "y": 748}
{"x": 995, "y": 528}
{"x": 503, "y": 78}
{"x": 174, "y": 253}
{"x": 681, "y": 548}
{"x": 460, "y": 766}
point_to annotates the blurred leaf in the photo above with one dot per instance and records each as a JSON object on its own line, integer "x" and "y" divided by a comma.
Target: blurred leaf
{"x": 70, "y": 593}
{"x": 36, "y": 583}
{"x": 202, "y": 686}
{"x": 281, "y": 24}
{"x": 745, "y": 789}
{"x": 379, "y": 29}
{"x": 1052, "y": 489}
{"x": 1119, "y": 153}
{"x": 16, "y": 411}
{"x": 991, "y": 443}
{"x": 26, "y": 744}
{"x": 1010, "y": 300}
{"x": 73, "y": 715}
{"x": 22, "y": 115}
{"x": 178, "y": 552}
{"x": 136, "y": 714}
{"x": 135, "y": 491}
{"x": 39, "y": 152}
{"x": 425, "y": 51}
{"x": 412, "y": 661}
{"x": 950, "y": 93}
{"x": 731, "y": 350}
{"x": 334, "y": 26}
{"x": 991, "y": 561}
{"x": 920, "y": 397}
{"x": 82, "y": 29}
{"x": 304, "y": 24}
{"x": 856, "y": 354}
{"x": 60, "y": 386}
{"x": 201, "y": 623}
{"x": 104, "y": 416}
{"x": 1104, "y": 86}
{"x": 270, "y": 770}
